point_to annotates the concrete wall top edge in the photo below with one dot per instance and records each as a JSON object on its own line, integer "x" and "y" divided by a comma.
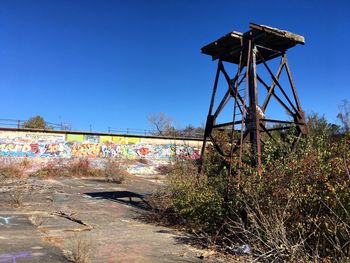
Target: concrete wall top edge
{"x": 100, "y": 134}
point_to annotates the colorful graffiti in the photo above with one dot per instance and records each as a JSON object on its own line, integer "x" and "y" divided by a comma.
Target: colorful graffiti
{"x": 33, "y": 144}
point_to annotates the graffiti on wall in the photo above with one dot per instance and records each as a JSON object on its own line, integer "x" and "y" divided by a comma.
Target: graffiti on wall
{"x": 34, "y": 144}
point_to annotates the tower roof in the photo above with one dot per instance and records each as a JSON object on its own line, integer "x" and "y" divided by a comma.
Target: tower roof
{"x": 272, "y": 42}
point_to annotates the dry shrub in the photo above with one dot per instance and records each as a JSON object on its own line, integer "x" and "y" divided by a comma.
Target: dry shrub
{"x": 111, "y": 169}
{"x": 143, "y": 160}
{"x": 24, "y": 163}
{"x": 72, "y": 167}
{"x": 306, "y": 197}
{"x": 54, "y": 168}
{"x": 298, "y": 210}
{"x": 11, "y": 181}
{"x": 55, "y": 240}
{"x": 164, "y": 169}
{"x": 82, "y": 167}
{"x": 268, "y": 236}
{"x": 13, "y": 167}
{"x": 37, "y": 219}
{"x": 17, "y": 194}
{"x": 161, "y": 210}
{"x": 157, "y": 177}
{"x": 10, "y": 169}
{"x": 18, "y": 190}
{"x": 114, "y": 171}
{"x": 80, "y": 247}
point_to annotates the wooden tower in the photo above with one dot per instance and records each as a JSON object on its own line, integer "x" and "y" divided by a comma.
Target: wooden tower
{"x": 250, "y": 53}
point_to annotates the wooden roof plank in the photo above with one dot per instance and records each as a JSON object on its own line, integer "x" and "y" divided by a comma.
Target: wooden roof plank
{"x": 278, "y": 32}
{"x": 227, "y": 48}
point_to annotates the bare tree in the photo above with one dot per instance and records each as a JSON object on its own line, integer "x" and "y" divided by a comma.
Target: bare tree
{"x": 189, "y": 131}
{"x": 161, "y": 122}
{"x": 163, "y": 125}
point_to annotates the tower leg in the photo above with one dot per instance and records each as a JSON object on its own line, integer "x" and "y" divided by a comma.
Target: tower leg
{"x": 209, "y": 122}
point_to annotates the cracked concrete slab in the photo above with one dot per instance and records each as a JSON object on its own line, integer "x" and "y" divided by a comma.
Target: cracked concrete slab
{"x": 112, "y": 230}
{"x": 20, "y": 241}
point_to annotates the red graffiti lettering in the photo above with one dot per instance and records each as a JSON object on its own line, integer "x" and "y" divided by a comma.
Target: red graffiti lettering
{"x": 143, "y": 151}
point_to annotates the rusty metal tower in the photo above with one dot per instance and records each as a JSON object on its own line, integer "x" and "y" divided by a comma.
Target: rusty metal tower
{"x": 250, "y": 53}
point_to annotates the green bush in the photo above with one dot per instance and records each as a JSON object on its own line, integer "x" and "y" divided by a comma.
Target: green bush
{"x": 194, "y": 198}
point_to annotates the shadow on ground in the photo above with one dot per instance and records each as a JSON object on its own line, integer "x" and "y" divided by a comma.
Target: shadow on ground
{"x": 123, "y": 197}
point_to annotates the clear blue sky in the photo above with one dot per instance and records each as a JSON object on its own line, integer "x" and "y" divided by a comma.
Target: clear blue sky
{"x": 111, "y": 63}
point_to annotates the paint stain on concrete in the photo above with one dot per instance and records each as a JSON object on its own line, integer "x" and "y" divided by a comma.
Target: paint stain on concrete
{"x": 6, "y": 219}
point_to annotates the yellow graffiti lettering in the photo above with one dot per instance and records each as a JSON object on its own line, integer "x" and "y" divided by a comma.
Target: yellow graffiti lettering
{"x": 26, "y": 148}
{"x": 86, "y": 150}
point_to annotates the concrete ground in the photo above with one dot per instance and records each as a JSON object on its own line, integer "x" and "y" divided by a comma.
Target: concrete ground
{"x": 87, "y": 217}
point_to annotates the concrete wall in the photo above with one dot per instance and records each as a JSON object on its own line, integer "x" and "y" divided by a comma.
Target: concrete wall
{"x": 45, "y": 145}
